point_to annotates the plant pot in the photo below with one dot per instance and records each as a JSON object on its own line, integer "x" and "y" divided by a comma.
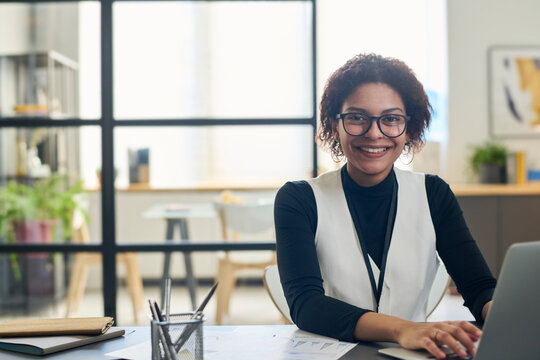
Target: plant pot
{"x": 34, "y": 231}
{"x": 36, "y": 268}
{"x": 492, "y": 174}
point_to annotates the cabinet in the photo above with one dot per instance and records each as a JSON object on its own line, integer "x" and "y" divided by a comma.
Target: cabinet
{"x": 498, "y": 220}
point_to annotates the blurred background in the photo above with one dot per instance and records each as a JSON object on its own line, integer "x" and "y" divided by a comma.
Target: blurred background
{"x": 127, "y": 123}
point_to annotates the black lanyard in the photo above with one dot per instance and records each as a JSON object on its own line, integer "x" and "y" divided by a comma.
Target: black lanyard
{"x": 377, "y": 290}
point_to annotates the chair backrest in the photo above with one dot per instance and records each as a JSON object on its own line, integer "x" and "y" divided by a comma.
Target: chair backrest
{"x": 440, "y": 285}
{"x": 79, "y": 227}
{"x": 248, "y": 217}
{"x": 273, "y": 286}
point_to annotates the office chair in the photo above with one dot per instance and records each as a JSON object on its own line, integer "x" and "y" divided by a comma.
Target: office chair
{"x": 83, "y": 261}
{"x": 438, "y": 289}
{"x": 274, "y": 289}
{"x": 238, "y": 216}
{"x": 273, "y": 286}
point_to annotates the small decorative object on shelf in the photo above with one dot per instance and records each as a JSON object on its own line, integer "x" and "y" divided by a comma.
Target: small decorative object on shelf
{"x": 139, "y": 167}
{"x": 516, "y": 168}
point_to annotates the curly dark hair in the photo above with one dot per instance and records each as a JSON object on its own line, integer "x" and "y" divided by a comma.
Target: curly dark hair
{"x": 372, "y": 68}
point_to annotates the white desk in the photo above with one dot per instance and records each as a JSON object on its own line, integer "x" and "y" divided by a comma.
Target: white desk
{"x": 136, "y": 336}
{"x": 176, "y": 216}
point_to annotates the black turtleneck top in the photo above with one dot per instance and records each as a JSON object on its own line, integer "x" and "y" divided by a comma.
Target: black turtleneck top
{"x": 295, "y": 214}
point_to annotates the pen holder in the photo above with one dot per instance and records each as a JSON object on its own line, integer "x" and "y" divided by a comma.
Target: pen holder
{"x": 179, "y": 338}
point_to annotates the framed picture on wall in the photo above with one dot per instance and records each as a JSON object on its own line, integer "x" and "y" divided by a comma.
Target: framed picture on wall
{"x": 514, "y": 91}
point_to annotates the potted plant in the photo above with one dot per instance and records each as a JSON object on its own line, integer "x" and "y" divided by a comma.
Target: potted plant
{"x": 488, "y": 161}
{"x": 30, "y": 214}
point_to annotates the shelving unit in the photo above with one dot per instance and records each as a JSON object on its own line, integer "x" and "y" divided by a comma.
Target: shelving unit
{"x": 34, "y": 85}
{"x": 38, "y": 84}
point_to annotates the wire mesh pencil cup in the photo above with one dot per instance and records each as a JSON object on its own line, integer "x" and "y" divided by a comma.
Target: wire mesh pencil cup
{"x": 179, "y": 338}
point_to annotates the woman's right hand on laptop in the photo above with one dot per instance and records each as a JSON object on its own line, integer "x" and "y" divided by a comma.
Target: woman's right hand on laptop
{"x": 459, "y": 336}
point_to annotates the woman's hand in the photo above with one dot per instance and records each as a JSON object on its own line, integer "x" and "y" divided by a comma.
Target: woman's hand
{"x": 459, "y": 336}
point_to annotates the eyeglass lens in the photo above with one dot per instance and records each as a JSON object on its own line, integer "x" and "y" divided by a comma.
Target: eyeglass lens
{"x": 391, "y": 125}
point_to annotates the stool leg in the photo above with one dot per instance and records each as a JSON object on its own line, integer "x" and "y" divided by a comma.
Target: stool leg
{"x": 134, "y": 283}
{"x": 190, "y": 277}
{"x": 231, "y": 284}
{"x": 191, "y": 283}
{"x": 226, "y": 279}
{"x": 77, "y": 284}
{"x": 167, "y": 261}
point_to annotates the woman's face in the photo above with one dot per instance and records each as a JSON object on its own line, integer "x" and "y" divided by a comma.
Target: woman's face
{"x": 370, "y": 157}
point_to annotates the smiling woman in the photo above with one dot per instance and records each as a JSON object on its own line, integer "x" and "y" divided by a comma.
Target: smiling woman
{"x": 403, "y": 221}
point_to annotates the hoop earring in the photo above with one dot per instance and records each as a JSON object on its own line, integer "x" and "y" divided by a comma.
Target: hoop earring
{"x": 406, "y": 163}
{"x": 405, "y": 153}
{"x": 337, "y": 151}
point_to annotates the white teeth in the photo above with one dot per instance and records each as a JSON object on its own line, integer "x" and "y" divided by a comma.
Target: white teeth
{"x": 373, "y": 150}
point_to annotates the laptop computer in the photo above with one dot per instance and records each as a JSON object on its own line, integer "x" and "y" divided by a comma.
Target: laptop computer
{"x": 512, "y": 327}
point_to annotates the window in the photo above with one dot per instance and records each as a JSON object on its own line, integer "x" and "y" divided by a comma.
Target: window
{"x": 222, "y": 97}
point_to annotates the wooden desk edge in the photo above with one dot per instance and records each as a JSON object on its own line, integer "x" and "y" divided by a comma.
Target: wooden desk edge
{"x": 532, "y": 188}
{"x": 217, "y": 188}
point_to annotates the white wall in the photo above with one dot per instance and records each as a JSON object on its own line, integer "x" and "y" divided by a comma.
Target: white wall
{"x": 14, "y": 34}
{"x": 14, "y": 39}
{"x": 57, "y": 28}
{"x": 473, "y": 27}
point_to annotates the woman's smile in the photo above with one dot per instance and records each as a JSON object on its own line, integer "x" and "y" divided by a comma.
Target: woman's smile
{"x": 374, "y": 151}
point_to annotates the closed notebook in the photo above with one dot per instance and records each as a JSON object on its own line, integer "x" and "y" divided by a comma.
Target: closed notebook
{"x": 43, "y": 345}
{"x": 59, "y": 326}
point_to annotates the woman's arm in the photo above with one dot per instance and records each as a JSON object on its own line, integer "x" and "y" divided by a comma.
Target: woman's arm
{"x": 458, "y": 249}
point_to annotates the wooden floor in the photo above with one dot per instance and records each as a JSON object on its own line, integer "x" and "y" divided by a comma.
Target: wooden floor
{"x": 249, "y": 305}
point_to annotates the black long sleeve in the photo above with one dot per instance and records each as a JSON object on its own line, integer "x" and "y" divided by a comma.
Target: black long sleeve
{"x": 457, "y": 248}
{"x": 296, "y": 223}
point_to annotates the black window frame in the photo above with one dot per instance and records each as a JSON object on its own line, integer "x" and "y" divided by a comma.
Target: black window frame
{"x": 109, "y": 247}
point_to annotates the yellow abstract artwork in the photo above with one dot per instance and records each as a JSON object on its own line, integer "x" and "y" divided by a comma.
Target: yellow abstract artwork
{"x": 514, "y": 91}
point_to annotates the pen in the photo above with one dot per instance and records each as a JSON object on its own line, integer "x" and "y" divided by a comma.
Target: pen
{"x": 168, "y": 346}
{"x": 167, "y": 299}
{"x": 189, "y": 328}
{"x": 206, "y": 299}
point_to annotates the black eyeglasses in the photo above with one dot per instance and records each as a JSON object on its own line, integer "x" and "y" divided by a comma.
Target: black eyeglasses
{"x": 390, "y": 125}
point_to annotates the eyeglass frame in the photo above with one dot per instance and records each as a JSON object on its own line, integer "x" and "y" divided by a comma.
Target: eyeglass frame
{"x": 378, "y": 118}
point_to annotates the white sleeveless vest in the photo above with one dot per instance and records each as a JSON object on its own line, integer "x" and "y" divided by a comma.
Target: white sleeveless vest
{"x": 411, "y": 262}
